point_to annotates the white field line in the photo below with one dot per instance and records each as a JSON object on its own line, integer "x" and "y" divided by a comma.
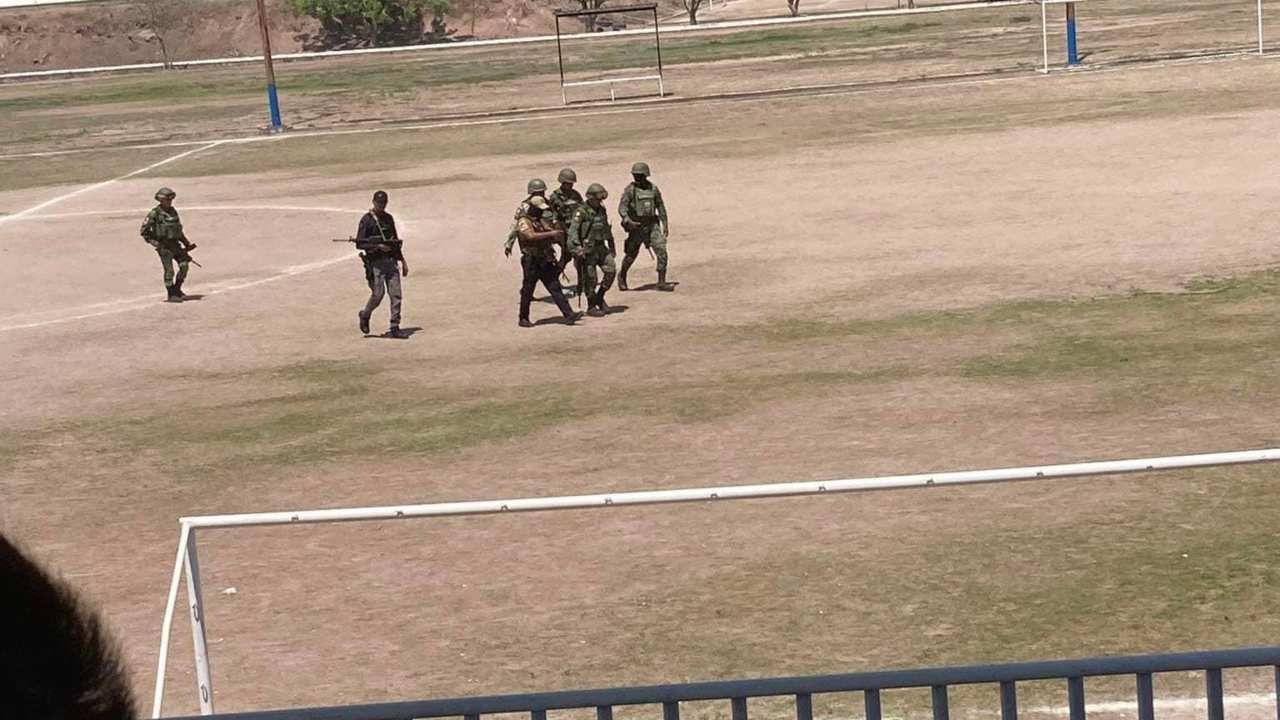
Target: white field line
{"x": 141, "y": 303}
{"x": 97, "y": 186}
{"x": 656, "y": 105}
{"x": 440, "y": 47}
{"x": 123, "y": 305}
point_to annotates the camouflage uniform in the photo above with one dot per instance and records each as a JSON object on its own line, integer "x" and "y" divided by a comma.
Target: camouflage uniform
{"x": 564, "y": 204}
{"x": 590, "y": 238}
{"x": 163, "y": 231}
{"x": 644, "y": 217}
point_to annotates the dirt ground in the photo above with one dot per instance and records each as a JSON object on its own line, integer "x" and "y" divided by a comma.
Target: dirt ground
{"x": 926, "y": 278}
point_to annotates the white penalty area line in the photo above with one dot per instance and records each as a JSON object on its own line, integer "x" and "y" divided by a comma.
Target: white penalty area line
{"x": 98, "y": 186}
{"x": 123, "y": 305}
{"x": 117, "y": 307}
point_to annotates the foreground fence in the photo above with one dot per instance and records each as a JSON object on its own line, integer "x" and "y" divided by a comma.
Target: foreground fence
{"x": 802, "y": 689}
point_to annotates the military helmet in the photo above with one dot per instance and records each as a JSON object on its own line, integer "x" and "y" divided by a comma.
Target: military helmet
{"x": 536, "y": 185}
{"x": 539, "y": 202}
{"x": 597, "y": 191}
{"x": 640, "y": 169}
{"x": 567, "y": 175}
{"x": 165, "y": 192}
{"x": 380, "y": 196}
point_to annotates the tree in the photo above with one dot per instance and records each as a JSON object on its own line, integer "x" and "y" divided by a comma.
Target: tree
{"x": 373, "y": 22}
{"x": 162, "y": 18}
{"x": 794, "y": 7}
{"x": 692, "y": 7}
{"x": 589, "y": 21}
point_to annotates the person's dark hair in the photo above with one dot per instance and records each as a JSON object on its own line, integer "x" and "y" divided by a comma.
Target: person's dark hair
{"x": 57, "y": 659}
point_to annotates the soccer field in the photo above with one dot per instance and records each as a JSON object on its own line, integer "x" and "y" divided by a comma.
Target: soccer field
{"x": 1003, "y": 270}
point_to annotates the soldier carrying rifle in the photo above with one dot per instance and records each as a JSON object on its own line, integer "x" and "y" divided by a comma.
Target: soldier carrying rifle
{"x": 163, "y": 231}
{"x": 381, "y": 250}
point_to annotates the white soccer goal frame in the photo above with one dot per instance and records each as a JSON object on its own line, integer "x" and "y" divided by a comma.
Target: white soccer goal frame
{"x": 1044, "y": 28}
{"x": 187, "y": 562}
{"x": 612, "y": 82}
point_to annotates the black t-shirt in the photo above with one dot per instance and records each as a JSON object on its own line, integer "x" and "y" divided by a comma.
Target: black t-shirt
{"x": 368, "y": 236}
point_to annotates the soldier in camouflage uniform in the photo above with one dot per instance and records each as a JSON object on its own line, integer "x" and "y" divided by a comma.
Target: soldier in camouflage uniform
{"x": 163, "y": 231}
{"x": 537, "y": 234}
{"x": 535, "y": 188}
{"x": 644, "y": 217}
{"x": 590, "y": 239}
{"x": 564, "y": 201}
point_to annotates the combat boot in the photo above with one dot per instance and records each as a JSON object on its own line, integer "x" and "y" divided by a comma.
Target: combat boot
{"x": 177, "y": 288}
{"x": 622, "y": 276}
{"x": 595, "y": 310}
{"x": 572, "y": 318}
{"x": 524, "y": 322}
{"x": 174, "y": 295}
{"x": 364, "y": 322}
{"x": 663, "y": 285}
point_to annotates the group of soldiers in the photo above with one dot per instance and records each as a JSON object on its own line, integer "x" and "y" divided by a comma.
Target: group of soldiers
{"x": 582, "y": 232}
{"x": 564, "y": 220}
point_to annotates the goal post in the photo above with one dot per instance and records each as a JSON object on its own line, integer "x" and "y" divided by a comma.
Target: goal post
{"x": 187, "y": 563}
{"x": 611, "y": 81}
{"x": 1069, "y": 12}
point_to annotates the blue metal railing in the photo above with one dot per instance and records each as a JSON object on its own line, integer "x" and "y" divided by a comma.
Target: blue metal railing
{"x": 802, "y": 689}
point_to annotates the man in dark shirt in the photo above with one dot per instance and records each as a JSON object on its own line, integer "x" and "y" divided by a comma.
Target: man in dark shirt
{"x": 382, "y": 250}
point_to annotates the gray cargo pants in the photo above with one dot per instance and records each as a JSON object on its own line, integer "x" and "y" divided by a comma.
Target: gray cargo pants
{"x": 386, "y": 280}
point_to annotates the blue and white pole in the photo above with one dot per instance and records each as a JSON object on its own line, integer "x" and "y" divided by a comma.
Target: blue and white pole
{"x": 1073, "y": 56}
{"x": 273, "y": 100}
{"x": 273, "y": 103}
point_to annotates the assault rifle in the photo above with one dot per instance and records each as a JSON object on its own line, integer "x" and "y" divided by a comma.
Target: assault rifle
{"x": 380, "y": 241}
{"x": 184, "y": 255}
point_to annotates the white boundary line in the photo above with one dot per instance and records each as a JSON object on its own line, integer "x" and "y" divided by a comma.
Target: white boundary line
{"x": 97, "y": 186}
{"x": 701, "y": 27}
{"x": 144, "y": 302}
{"x": 115, "y": 307}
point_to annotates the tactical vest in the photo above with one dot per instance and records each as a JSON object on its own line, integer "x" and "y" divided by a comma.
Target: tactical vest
{"x": 597, "y": 235}
{"x": 565, "y": 205}
{"x": 644, "y": 202}
{"x": 166, "y": 226}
